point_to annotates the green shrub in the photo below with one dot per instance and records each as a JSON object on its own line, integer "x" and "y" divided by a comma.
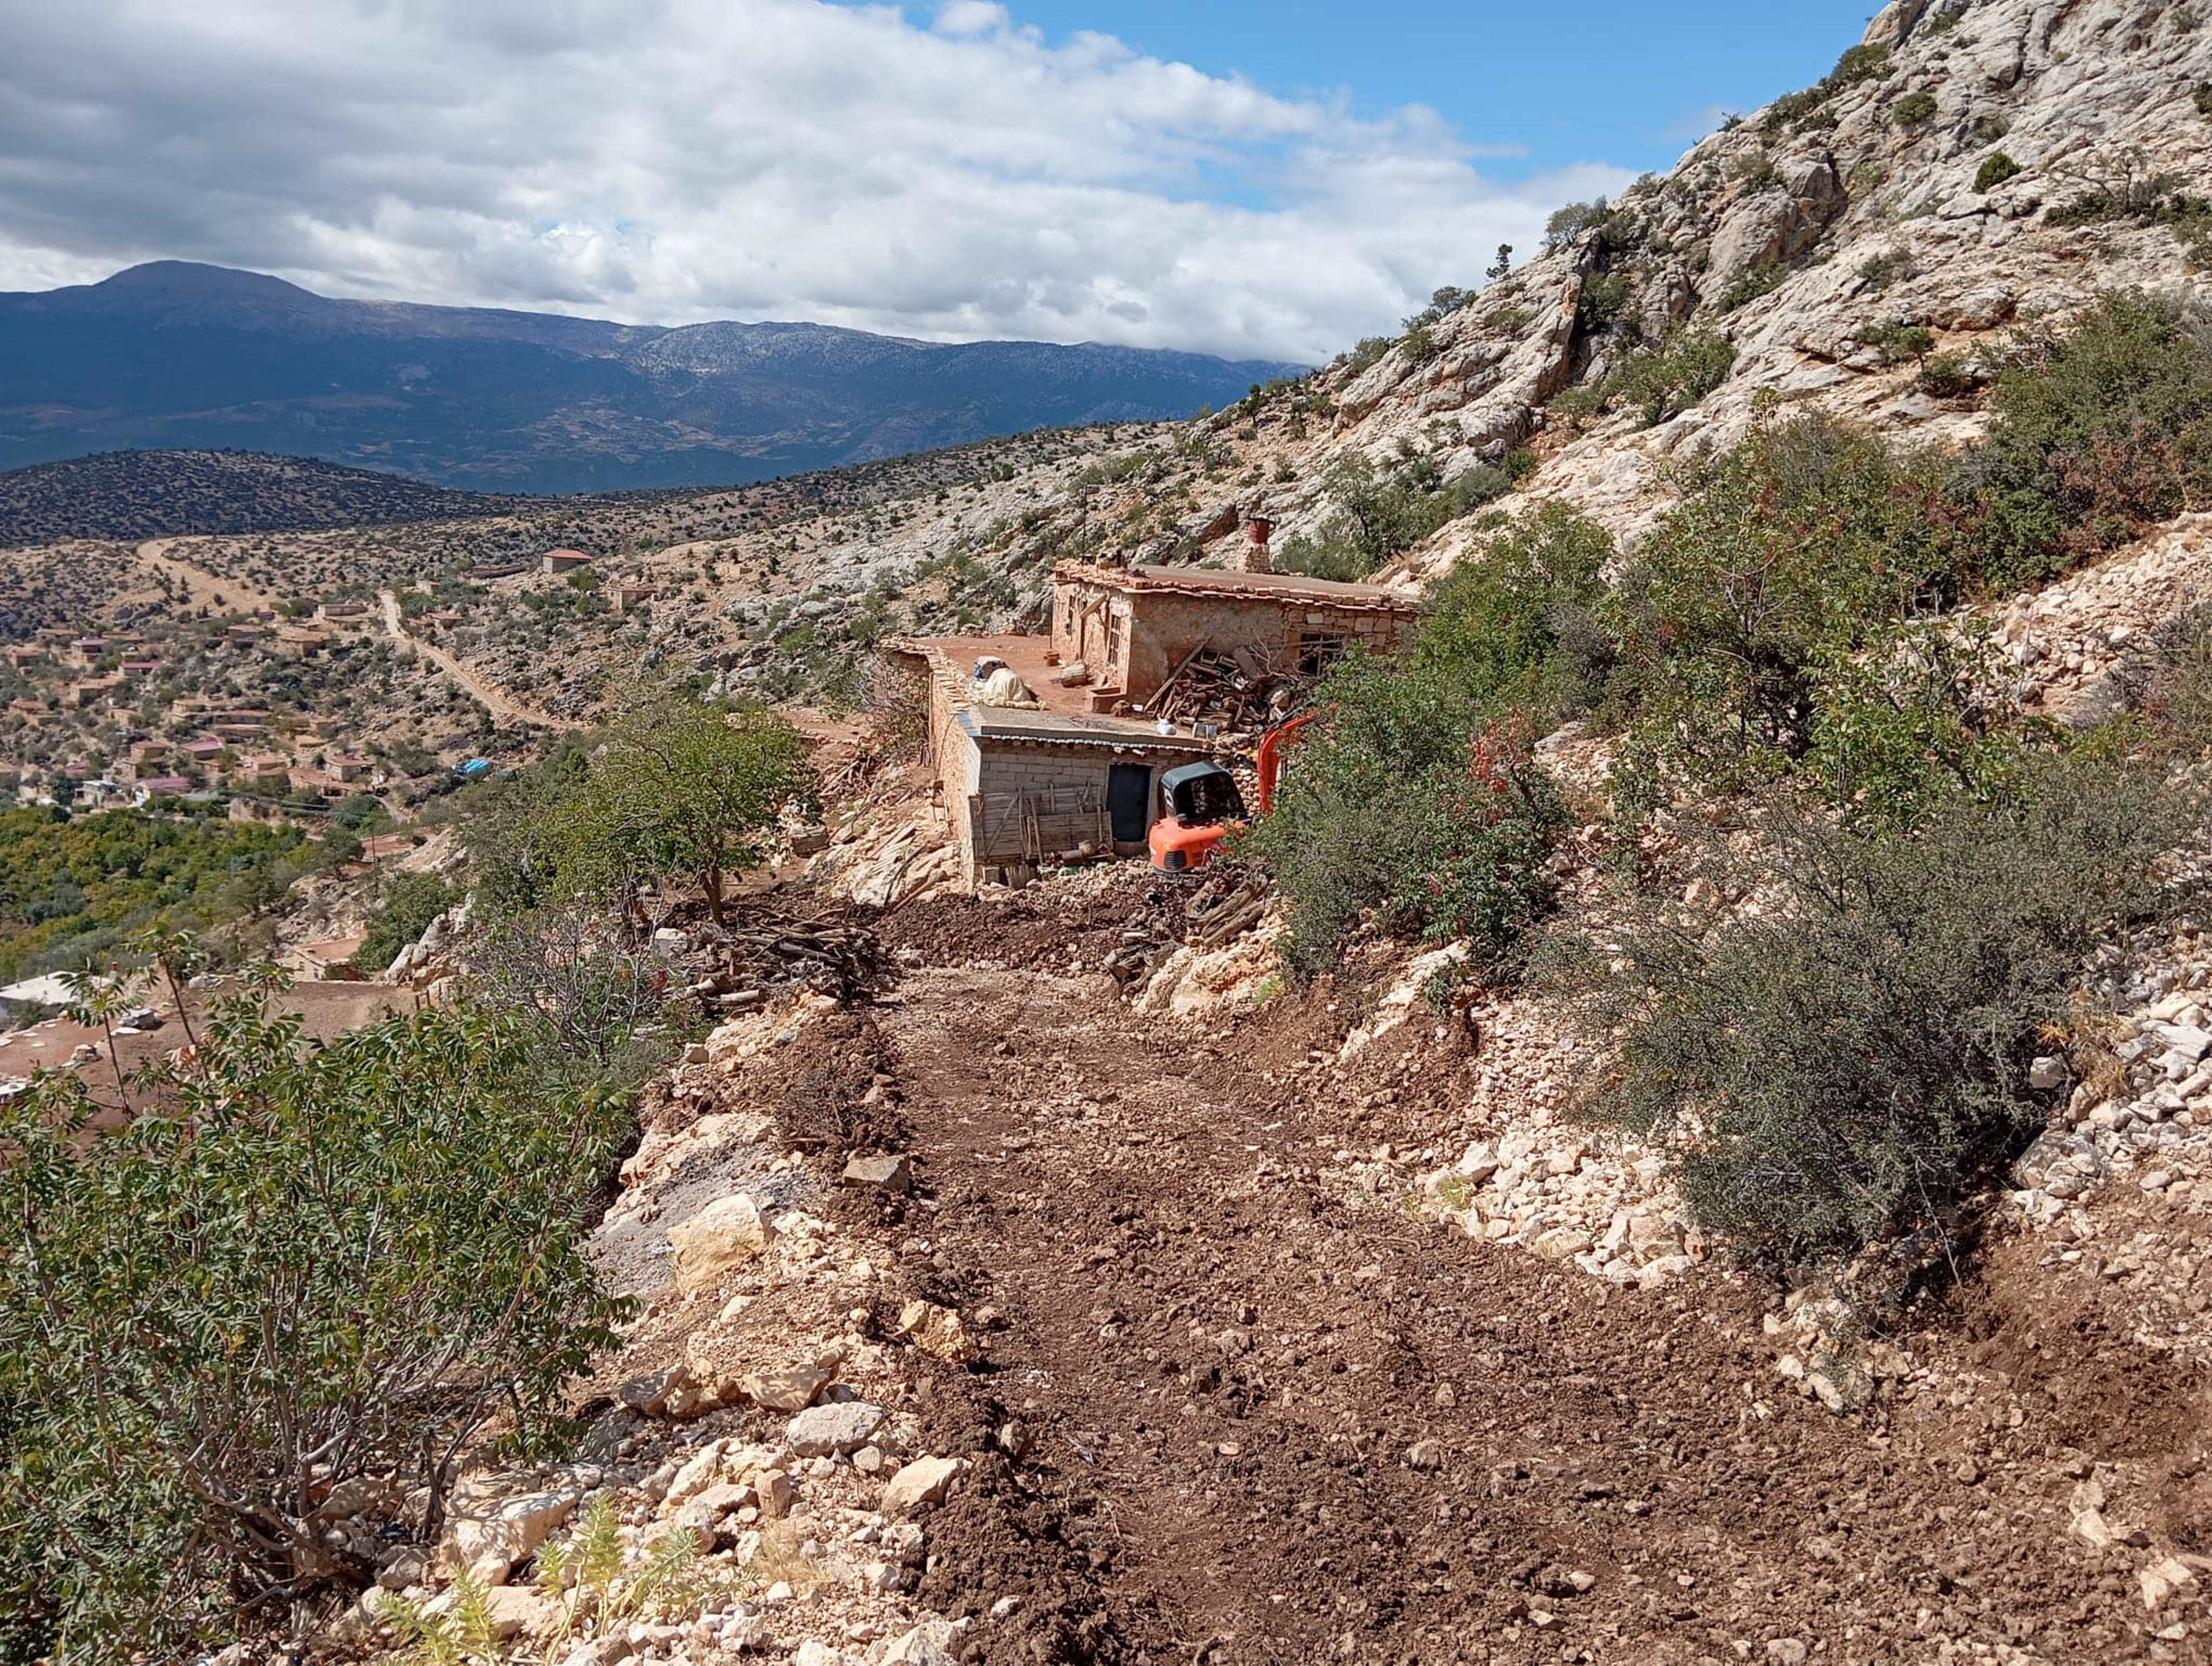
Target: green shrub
{"x": 411, "y": 902}
{"x": 1400, "y": 806}
{"x": 1414, "y": 801}
{"x": 1897, "y": 342}
{"x": 1849, "y": 1061}
{"x": 2095, "y": 436}
{"x": 1783, "y": 557}
{"x": 1605, "y": 297}
{"x": 1859, "y": 64}
{"x": 1666, "y": 381}
{"x": 1879, "y": 271}
{"x": 2172, "y": 685}
{"x": 2201, "y": 98}
{"x": 327, "y": 1263}
{"x": 1919, "y": 712}
{"x": 1367, "y": 353}
{"x": 1914, "y": 109}
{"x": 1799, "y": 109}
{"x": 1995, "y": 170}
{"x": 1385, "y": 509}
{"x": 1946, "y": 376}
{"x": 1748, "y": 287}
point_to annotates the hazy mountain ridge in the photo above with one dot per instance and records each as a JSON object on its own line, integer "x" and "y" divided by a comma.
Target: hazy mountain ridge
{"x": 175, "y": 355}
{"x": 172, "y": 494}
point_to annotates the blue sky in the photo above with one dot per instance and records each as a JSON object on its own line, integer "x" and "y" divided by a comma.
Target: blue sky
{"x": 1604, "y": 80}
{"x": 1260, "y": 180}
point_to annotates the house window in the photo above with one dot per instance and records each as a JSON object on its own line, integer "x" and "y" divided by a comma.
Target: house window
{"x": 1317, "y": 651}
{"x": 1113, "y": 639}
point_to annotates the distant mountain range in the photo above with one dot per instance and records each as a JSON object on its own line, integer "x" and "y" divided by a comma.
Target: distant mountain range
{"x": 177, "y": 355}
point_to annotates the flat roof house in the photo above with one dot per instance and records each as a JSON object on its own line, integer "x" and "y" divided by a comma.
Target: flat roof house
{"x": 1134, "y": 628}
{"x": 1023, "y": 785}
{"x": 1035, "y": 760}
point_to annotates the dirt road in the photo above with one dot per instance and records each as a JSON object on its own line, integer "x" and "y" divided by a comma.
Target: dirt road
{"x": 505, "y": 710}
{"x": 202, "y": 587}
{"x": 1269, "y": 1422}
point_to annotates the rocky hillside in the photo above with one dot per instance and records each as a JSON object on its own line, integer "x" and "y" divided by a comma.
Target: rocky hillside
{"x": 1968, "y": 171}
{"x": 1968, "y": 177}
{"x": 168, "y": 494}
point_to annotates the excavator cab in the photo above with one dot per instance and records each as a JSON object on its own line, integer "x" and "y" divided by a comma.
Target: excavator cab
{"x": 1199, "y": 806}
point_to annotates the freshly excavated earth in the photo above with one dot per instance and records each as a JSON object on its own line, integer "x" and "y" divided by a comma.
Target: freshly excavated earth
{"x": 1267, "y": 1417}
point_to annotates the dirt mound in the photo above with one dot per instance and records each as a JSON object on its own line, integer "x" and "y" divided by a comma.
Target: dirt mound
{"x": 1272, "y": 1422}
{"x": 1048, "y": 926}
{"x": 831, "y": 1093}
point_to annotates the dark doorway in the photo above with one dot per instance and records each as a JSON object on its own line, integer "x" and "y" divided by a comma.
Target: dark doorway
{"x": 1129, "y": 801}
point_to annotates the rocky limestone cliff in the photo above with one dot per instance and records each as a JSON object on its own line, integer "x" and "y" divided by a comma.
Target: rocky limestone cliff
{"x": 1860, "y": 218}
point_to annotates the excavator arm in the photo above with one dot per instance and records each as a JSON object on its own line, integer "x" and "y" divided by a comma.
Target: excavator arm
{"x": 1270, "y": 759}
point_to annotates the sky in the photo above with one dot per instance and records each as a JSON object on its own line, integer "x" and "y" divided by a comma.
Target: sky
{"x": 1214, "y": 175}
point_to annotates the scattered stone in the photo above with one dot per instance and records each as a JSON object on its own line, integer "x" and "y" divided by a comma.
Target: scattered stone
{"x": 889, "y": 1174}
{"x": 727, "y": 1233}
{"x": 938, "y": 1332}
{"x": 649, "y": 1395}
{"x": 2090, "y": 1527}
{"x": 923, "y": 1482}
{"x": 2161, "y": 1579}
{"x": 791, "y": 1390}
{"x": 777, "y": 1493}
{"x": 929, "y": 1643}
{"x": 834, "y": 1430}
{"x": 508, "y": 1531}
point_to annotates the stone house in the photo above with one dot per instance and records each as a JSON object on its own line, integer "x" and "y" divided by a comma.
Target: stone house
{"x": 1019, "y": 785}
{"x": 1133, "y": 628}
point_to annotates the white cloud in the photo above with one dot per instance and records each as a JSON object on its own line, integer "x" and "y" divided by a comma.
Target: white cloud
{"x": 665, "y": 160}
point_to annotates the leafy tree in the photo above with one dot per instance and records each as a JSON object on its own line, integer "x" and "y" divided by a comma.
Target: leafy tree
{"x": 317, "y": 1264}
{"x": 1572, "y": 220}
{"x": 683, "y": 787}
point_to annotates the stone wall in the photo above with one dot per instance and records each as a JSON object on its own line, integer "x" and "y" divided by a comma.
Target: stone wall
{"x": 1158, "y": 630}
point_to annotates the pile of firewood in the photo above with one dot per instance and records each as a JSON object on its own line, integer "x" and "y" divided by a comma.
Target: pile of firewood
{"x": 1239, "y": 691}
{"x": 768, "y": 952}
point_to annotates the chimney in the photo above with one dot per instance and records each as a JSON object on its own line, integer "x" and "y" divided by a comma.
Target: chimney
{"x": 1256, "y": 558}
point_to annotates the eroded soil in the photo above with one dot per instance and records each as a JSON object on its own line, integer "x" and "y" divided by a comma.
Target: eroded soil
{"x": 1233, "y": 1410}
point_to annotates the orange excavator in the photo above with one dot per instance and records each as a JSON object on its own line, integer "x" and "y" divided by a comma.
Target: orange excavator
{"x": 1200, "y": 806}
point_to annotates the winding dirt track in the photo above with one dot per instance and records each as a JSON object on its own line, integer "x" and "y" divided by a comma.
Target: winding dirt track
{"x": 505, "y": 710}
{"x": 1274, "y": 1423}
